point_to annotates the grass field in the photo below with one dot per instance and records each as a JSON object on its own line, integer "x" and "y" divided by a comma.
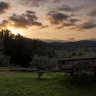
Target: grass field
{"x": 53, "y": 84}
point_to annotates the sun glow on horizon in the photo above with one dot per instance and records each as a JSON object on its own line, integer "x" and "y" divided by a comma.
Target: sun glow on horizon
{"x": 16, "y": 31}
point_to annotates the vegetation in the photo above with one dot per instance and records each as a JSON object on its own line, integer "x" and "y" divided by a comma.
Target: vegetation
{"x": 23, "y": 51}
{"x": 76, "y": 53}
{"x": 44, "y": 62}
{"x": 4, "y": 61}
{"x": 54, "y": 84}
{"x": 20, "y": 48}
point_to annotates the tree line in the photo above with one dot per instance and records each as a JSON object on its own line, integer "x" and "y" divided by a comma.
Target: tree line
{"x": 20, "y": 49}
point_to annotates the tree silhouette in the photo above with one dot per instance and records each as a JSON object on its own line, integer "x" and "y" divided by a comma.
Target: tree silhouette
{"x": 1, "y": 46}
{"x": 21, "y": 49}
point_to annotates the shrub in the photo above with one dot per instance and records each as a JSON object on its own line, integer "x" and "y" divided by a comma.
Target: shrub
{"x": 53, "y": 63}
{"x": 43, "y": 62}
{"x": 74, "y": 53}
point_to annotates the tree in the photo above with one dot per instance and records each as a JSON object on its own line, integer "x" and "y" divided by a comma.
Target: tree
{"x": 1, "y": 46}
{"x": 21, "y": 49}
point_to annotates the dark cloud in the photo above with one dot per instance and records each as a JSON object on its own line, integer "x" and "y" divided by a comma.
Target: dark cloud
{"x": 19, "y": 21}
{"x": 68, "y": 8}
{"x": 68, "y": 23}
{"x": 56, "y": 17}
{"x": 3, "y": 24}
{"x": 33, "y": 3}
{"x": 38, "y": 24}
{"x": 28, "y": 19}
{"x": 90, "y": 24}
{"x": 71, "y": 22}
{"x": 30, "y": 12}
{"x": 61, "y": 20}
{"x": 92, "y": 13}
{"x": 30, "y": 15}
{"x": 25, "y": 20}
{"x": 4, "y": 6}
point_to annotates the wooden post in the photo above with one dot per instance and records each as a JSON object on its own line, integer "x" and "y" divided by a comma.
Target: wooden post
{"x": 39, "y": 74}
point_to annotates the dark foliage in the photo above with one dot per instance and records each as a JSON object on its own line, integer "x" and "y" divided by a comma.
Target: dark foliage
{"x": 21, "y": 59}
{"x": 21, "y": 49}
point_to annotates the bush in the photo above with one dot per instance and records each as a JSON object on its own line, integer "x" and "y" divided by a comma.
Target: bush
{"x": 4, "y": 61}
{"x": 53, "y": 63}
{"x": 43, "y": 62}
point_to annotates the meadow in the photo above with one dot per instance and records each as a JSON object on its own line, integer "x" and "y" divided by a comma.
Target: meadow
{"x": 50, "y": 84}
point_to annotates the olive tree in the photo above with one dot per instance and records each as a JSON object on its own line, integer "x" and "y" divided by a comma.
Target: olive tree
{"x": 44, "y": 62}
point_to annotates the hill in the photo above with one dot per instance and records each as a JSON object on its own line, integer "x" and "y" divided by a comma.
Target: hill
{"x": 77, "y": 44}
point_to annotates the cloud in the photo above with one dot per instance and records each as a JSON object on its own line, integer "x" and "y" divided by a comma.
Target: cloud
{"x": 92, "y": 13}
{"x": 33, "y": 3}
{"x": 89, "y": 24}
{"x": 56, "y": 17}
{"x": 24, "y": 21}
{"x": 19, "y": 21}
{"x": 38, "y": 24}
{"x": 71, "y": 39}
{"x": 57, "y": 1}
{"x": 71, "y": 22}
{"x": 30, "y": 12}
{"x": 68, "y": 23}
{"x": 3, "y": 7}
{"x": 38, "y": 3}
{"x": 4, "y": 24}
{"x": 61, "y": 20}
{"x": 60, "y": 27}
{"x": 68, "y": 8}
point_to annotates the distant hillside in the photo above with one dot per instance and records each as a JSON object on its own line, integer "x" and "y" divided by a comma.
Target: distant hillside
{"x": 78, "y": 44}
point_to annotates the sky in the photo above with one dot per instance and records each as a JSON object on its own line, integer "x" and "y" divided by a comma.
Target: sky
{"x": 65, "y": 20}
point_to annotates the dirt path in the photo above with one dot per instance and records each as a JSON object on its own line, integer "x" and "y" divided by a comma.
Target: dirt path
{"x": 6, "y": 73}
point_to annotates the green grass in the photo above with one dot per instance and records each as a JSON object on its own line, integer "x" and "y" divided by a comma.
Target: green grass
{"x": 53, "y": 84}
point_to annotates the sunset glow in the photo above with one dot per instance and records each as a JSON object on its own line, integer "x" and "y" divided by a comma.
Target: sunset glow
{"x": 15, "y": 31}
{"x": 49, "y": 19}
